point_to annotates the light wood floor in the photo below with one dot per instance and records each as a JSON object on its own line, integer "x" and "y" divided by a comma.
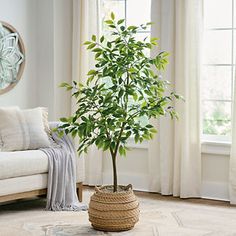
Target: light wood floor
{"x": 159, "y": 216}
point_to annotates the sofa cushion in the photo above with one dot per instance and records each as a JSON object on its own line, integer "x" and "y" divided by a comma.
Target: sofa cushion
{"x": 22, "y": 163}
{"x": 23, "y": 129}
{"x": 23, "y": 184}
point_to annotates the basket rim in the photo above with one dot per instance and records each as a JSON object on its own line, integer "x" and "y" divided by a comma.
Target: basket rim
{"x": 127, "y": 189}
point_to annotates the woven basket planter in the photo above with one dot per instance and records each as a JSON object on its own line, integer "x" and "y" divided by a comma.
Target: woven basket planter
{"x": 110, "y": 211}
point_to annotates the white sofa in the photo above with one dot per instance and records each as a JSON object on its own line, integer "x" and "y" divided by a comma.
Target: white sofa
{"x": 24, "y": 174}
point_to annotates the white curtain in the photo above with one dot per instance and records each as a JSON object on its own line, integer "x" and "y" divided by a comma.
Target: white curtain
{"x": 85, "y": 24}
{"x": 232, "y": 171}
{"x": 175, "y": 154}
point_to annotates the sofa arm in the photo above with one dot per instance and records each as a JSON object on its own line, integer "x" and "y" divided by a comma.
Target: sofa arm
{"x": 79, "y": 160}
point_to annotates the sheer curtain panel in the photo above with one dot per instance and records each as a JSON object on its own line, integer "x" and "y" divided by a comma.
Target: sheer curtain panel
{"x": 85, "y": 24}
{"x": 232, "y": 165}
{"x": 175, "y": 154}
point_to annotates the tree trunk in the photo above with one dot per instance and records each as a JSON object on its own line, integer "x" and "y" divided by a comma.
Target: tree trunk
{"x": 114, "y": 173}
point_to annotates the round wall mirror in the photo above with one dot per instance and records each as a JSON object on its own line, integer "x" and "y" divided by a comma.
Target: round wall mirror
{"x": 12, "y": 57}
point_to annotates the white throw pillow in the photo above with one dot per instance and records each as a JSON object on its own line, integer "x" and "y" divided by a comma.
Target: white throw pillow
{"x": 45, "y": 121}
{"x": 22, "y": 129}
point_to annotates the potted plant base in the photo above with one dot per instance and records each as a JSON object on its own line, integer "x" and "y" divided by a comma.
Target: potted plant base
{"x": 113, "y": 211}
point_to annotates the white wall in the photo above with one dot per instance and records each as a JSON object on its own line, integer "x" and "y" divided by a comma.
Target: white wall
{"x": 21, "y": 14}
{"x": 131, "y": 169}
{"x": 215, "y": 176}
{"x": 46, "y": 29}
{"x": 45, "y": 55}
{"x": 62, "y": 55}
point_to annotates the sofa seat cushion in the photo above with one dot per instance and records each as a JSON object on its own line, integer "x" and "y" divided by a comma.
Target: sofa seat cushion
{"x": 22, "y": 163}
{"x": 22, "y": 184}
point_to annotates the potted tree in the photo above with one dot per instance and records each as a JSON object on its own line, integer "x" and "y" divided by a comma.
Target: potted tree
{"x": 124, "y": 86}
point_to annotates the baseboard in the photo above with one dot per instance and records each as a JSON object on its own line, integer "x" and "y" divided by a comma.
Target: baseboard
{"x": 210, "y": 190}
{"x": 215, "y": 190}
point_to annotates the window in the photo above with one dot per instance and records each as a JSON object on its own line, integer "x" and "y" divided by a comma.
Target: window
{"x": 135, "y": 13}
{"x": 218, "y": 68}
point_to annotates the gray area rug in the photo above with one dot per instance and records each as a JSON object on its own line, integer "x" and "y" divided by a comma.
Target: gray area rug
{"x": 160, "y": 216}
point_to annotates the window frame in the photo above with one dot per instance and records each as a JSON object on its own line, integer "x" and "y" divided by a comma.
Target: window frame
{"x": 221, "y": 139}
{"x": 125, "y": 15}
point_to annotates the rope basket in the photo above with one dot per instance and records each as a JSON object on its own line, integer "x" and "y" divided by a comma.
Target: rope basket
{"x": 110, "y": 211}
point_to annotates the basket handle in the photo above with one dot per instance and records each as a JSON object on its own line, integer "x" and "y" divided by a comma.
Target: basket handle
{"x": 97, "y": 190}
{"x": 129, "y": 187}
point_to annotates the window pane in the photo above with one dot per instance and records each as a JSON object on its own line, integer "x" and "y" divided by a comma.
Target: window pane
{"x": 108, "y": 6}
{"x": 143, "y": 120}
{"x": 234, "y": 56}
{"x": 234, "y": 14}
{"x": 218, "y": 47}
{"x": 216, "y": 82}
{"x": 218, "y": 13}
{"x": 141, "y": 37}
{"x": 138, "y": 12}
{"x": 216, "y": 118}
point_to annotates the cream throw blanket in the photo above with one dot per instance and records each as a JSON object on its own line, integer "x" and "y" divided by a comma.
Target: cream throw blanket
{"x": 61, "y": 192}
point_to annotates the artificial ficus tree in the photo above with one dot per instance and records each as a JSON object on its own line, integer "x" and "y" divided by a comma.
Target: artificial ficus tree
{"x": 124, "y": 86}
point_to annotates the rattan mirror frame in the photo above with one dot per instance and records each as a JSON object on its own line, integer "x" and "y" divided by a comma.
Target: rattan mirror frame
{"x": 22, "y": 65}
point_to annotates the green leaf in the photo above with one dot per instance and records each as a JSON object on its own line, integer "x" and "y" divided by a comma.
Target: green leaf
{"x": 144, "y": 104}
{"x": 132, "y": 27}
{"x": 91, "y": 46}
{"x": 106, "y": 145}
{"x": 92, "y": 72}
{"x": 132, "y": 70}
{"x": 97, "y": 50}
{"x": 87, "y": 42}
{"x": 113, "y": 145}
{"x": 153, "y": 39}
{"x": 128, "y": 134}
{"x": 90, "y": 79}
{"x": 121, "y": 92}
{"x": 64, "y": 84}
{"x": 69, "y": 88}
{"x": 153, "y": 130}
{"x": 120, "y": 21}
{"x": 135, "y": 96}
{"x": 122, "y": 28}
{"x": 108, "y": 22}
{"x": 109, "y": 44}
{"x": 97, "y": 55}
{"x": 149, "y": 45}
{"x": 94, "y": 38}
{"x": 152, "y": 73}
{"x": 60, "y": 133}
{"x": 63, "y": 119}
{"x": 122, "y": 151}
{"x": 74, "y": 133}
{"x": 136, "y": 138}
{"x": 102, "y": 39}
{"x": 112, "y": 16}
